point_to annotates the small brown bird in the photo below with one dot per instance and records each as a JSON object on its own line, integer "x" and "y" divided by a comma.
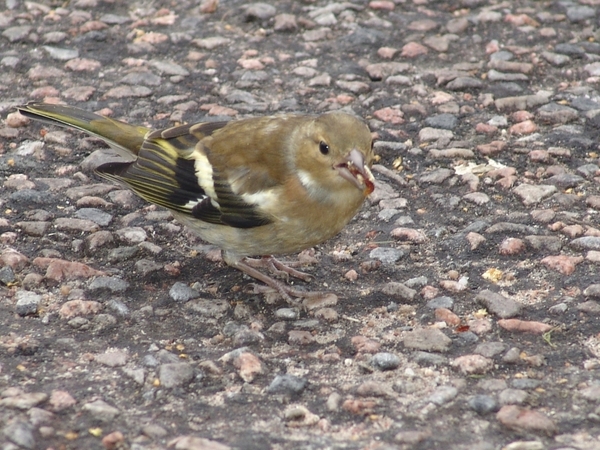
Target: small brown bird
{"x": 261, "y": 186}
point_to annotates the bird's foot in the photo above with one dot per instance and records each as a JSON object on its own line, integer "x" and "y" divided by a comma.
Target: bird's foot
{"x": 293, "y": 297}
{"x": 289, "y": 294}
{"x": 278, "y": 268}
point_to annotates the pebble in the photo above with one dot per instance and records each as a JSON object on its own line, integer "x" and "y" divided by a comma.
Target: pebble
{"x": 472, "y": 364}
{"x": 519, "y": 418}
{"x": 20, "y": 433}
{"x": 287, "y": 385}
{"x": 181, "y": 292}
{"x": 443, "y": 395}
{"x": 387, "y": 255}
{"x": 385, "y": 361}
{"x": 112, "y": 284}
{"x": 532, "y": 194}
{"x": 490, "y": 349}
{"x": 429, "y": 359}
{"x": 100, "y": 410}
{"x": 483, "y": 404}
{"x": 175, "y": 374}
{"x": 586, "y": 243}
{"x": 399, "y": 290}
{"x": 441, "y": 302}
{"x": 27, "y": 303}
{"x": 429, "y": 339}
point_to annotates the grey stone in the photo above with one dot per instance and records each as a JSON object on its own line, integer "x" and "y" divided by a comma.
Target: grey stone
{"x": 531, "y": 194}
{"x": 144, "y": 78}
{"x": 444, "y": 121}
{"x": 7, "y": 275}
{"x": 175, "y": 374}
{"x": 525, "y": 383}
{"x": 27, "y": 302}
{"x": 441, "y": 302}
{"x": 586, "y": 243}
{"x": 580, "y": 13}
{"x": 260, "y": 11}
{"x": 428, "y": 339}
{"x": 399, "y": 290}
{"x": 112, "y": 284}
{"x": 287, "y": 385}
{"x": 20, "y": 433}
{"x": 18, "y": 33}
{"x": 61, "y": 54}
{"x": 498, "y": 304}
{"x": 513, "y": 397}
{"x": 385, "y": 361}
{"x": 181, "y": 292}
{"x": 429, "y": 359}
{"x": 387, "y": 255}
{"x": 443, "y": 395}
{"x": 551, "y": 244}
{"x": 569, "y": 49}
{"x": 122, "y": 253}
{"x": 437, "y": 176}
{"x": 490, "y": 349}
{"x": 464, "y": 83}
{"x": 483, "y": 404}
{"x": 287, "y": 313}
{"x": 553, "y": 113}
{"x": 556, "y": 59}
{"x": 509, "y": 227}
{"x": 101, "y": 410}
{"x": 593, "y": 290}
{"x": 588, "y": 170}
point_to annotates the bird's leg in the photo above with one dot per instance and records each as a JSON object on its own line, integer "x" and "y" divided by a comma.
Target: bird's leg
{"x": 277, "y": 268}
{"x": 286, "y": 292}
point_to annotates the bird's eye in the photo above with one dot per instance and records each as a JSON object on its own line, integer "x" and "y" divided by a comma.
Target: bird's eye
{"x": 323, "y": 147}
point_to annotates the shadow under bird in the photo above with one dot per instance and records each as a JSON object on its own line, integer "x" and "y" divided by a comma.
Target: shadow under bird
{"x": 261, "y": 186}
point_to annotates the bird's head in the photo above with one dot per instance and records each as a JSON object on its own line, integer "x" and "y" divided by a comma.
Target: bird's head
{"x": 334, "y": 157}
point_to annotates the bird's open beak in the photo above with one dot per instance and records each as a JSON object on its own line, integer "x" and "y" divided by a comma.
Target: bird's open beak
{"x": 354, "y": 170}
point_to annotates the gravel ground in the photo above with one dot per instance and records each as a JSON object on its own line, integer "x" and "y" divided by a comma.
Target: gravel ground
{"x": 468, "y": 287}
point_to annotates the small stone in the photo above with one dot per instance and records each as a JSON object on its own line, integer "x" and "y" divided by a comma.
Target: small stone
{"x": 61, "y": 400}
{"x": 473, "y": 364}
{"x": 101, "y": 410}
{"x": 387, "y": 255}
{"x": 429, "y": 339}
{"x": 181, "y": 292}
{"x": 483, "y": 404}
{"x": 498, "y": 304}
{"x": 519, "y": 418}
{"x": 112, "y": 358}
{"x": 531, "y": 194}
{"x": 287, "y": 385}
{"x": 525, "y": 326}
{"x": 513, "y": 397}
{"x": 441, "y": 302}
{"x": 27, "y": 302}
{"x": 20, "y": 433}
{"x": 562, "y": 263}
{"x": 385, "y": 361}
{"x": 260, "y": 11}
{"x": 399, "y": 290}
{"x": 443, "y": 395}
{"x": 175, "y": 374}
{"x": 112, "y": 284}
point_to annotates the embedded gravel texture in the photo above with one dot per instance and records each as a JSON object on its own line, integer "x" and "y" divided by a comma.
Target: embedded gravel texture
{"x": 464, "y": 297}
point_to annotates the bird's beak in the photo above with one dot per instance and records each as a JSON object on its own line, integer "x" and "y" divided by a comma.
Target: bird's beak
{"x": 354, "y": 170}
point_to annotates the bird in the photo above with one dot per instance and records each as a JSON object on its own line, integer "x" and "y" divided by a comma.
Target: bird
{"x": 254, "y": 187}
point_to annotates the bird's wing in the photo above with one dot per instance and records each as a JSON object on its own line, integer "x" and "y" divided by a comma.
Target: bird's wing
{"x": 177, "y": 169}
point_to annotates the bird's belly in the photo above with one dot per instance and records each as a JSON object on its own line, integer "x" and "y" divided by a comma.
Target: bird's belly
{"x": 282, "y": 237}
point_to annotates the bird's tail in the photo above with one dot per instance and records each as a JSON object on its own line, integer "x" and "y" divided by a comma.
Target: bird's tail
{"x": 124, "y": 138}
